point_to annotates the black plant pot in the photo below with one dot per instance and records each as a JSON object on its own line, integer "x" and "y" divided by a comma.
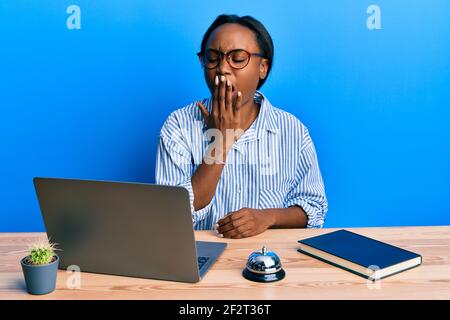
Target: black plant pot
{"x": 40, "y": 279}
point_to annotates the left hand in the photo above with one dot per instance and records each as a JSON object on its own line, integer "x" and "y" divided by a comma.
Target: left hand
{"x": 243, "y": 223}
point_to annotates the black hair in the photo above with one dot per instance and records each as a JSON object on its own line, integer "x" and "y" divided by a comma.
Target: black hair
{"x": 262, "y": 36}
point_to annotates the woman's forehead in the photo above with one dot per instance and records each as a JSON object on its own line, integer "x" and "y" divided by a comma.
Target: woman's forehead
{"x": 231, "y": 36}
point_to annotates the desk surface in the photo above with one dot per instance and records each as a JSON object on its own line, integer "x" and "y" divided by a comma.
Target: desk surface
{"x": 306, "y": 278}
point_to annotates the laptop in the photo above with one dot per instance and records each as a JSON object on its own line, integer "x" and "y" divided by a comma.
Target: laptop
{"x": 128, "y": 229}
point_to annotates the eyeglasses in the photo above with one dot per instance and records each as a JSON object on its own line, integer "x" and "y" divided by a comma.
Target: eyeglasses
{"x": 237, "y": 58}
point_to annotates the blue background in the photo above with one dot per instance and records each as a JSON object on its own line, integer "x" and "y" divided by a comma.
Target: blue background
{"x": 89, "y": 103}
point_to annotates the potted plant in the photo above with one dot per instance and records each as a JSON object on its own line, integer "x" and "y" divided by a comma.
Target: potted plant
{"x": 40, "y": 267}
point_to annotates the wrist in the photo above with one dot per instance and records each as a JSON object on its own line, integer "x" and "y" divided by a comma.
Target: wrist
{"x": 269, "y": 216}
{"x": 215, "y": 157}
{"x": 216, "y": 154}
{"x": 212, "y": 160}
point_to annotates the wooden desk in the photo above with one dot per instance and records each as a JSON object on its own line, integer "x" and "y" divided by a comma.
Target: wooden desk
{"x": 306, "y": 278}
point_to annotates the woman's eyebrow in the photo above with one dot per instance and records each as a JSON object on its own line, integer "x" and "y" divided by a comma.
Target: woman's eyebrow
{"x": 225, "y": 51}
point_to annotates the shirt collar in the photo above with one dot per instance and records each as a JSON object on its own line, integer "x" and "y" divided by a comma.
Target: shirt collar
{"x": 266, "y": 118}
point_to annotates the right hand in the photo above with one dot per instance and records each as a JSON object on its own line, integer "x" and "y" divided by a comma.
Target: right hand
{"x": 226, "y": 114}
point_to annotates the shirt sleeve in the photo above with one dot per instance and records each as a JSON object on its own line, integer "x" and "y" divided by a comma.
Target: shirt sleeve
{"x": 174, "y": 165}
{"x": 308, "y": 191}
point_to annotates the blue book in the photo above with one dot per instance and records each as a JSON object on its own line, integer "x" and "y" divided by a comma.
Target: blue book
{"x": 369, "y": 258}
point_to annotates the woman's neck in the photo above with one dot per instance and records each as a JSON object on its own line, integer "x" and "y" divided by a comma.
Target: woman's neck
{"x": 249, "y": 113}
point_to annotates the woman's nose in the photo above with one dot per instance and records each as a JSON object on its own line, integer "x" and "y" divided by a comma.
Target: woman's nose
{"x": 223, "y": 67}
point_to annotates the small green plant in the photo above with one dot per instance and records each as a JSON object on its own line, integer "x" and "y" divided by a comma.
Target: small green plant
{"x": 41, "y": 252}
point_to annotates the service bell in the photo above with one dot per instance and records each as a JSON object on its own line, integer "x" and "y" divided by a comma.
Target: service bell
{"x": 263, "y": 266}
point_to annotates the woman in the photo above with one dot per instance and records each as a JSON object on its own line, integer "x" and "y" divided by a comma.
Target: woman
{"x": 248, "y": 166}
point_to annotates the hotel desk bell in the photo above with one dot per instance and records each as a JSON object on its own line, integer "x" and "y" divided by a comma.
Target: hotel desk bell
{"x": 263, "y": 266}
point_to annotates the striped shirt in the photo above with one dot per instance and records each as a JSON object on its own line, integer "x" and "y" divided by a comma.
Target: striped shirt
{"x": 272, "y": 165}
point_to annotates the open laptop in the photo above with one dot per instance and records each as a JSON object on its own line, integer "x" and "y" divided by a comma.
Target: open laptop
{"x": 129, "y": 229}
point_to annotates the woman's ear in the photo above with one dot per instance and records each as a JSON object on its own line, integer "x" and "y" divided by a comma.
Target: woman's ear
{"x": 263, "y": 67}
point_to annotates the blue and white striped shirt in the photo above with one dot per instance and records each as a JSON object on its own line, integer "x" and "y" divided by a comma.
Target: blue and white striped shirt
{"x": 272, "y": 165}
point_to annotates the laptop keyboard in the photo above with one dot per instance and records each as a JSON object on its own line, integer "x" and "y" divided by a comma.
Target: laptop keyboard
{"x": 202, "y": 261}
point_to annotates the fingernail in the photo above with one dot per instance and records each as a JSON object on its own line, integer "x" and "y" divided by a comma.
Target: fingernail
{"x": 220, "y": 235}
{"x": 228, "y": 83}
{"x": 216, "y": 80}
{"x": 222, "y": 78}
{"x": 239, "y": 93}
